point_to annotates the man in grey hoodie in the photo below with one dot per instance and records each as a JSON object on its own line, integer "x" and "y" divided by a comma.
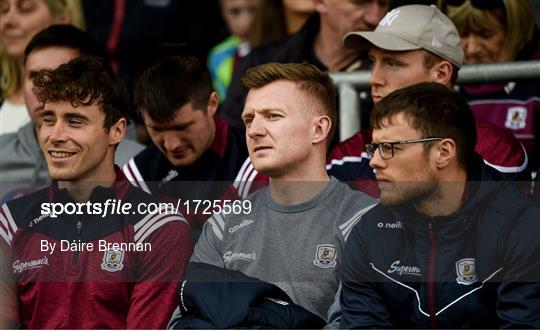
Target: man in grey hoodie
{"x": 22, "y": 165}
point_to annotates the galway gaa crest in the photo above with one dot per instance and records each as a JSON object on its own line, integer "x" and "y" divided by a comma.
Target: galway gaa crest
{"x": 325, "y": 257}
{"x": 112, "y": 260}
{"x": 466, "y": 273}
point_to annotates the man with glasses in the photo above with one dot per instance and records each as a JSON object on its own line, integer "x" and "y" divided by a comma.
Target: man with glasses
{"x": 386, "y": 149}
{"x": 448, "y": 246}
{"x": 414, "y": 44}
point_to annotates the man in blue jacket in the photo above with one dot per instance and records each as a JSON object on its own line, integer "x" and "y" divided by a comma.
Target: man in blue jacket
{"x": 448, "y": 246}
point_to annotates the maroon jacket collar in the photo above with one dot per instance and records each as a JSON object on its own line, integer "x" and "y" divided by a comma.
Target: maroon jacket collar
{"x": 118, "y": 189}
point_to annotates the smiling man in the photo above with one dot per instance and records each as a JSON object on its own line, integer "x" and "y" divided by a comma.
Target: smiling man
{"x": 60, "y": 275}
{"x": 195, "y": 153}
{"x": 449, "y": 246}
{"x": 294, "y": 234}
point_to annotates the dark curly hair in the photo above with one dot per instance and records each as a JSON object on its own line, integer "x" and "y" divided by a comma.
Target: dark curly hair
{"x": 85, "y": 80}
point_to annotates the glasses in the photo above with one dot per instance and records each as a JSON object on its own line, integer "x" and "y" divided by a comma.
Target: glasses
{"x": 386, "y": 149}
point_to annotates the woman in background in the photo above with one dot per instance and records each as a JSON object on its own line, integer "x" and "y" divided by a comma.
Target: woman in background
{"x": 19, "y": 21}
{"x": 498, "y": 31}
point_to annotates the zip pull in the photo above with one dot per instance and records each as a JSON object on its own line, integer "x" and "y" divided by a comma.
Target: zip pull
{"x": 79, "y": 228}
{"x": 74, "y": 267}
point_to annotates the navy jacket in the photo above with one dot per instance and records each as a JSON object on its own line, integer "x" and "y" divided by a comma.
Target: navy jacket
{"x": 215, "y": 298}
{"x": 477, "y": 268}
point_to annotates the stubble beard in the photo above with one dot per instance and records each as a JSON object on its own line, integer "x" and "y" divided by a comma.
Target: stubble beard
{"x": 407, "y": 192}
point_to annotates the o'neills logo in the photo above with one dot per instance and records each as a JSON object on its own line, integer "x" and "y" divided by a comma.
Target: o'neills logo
{"x": 229, "y": 256}
{"x": 240, "y": 226}
{"x": 403, "y": 269}
{"x": 19, "y": 267}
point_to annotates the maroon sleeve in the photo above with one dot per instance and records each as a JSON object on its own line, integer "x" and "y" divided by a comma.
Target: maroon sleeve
{"x": 154, "y": 295}
{"x": 509, "y": 155}
{"x": 9, "y": 304}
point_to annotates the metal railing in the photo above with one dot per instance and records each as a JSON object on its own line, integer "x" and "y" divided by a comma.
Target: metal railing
{"x": 348, "y": 84}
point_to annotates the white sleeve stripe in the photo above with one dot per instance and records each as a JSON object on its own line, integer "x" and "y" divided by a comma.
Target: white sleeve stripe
{"x": 143, "y": 221}
{"x": 507, "y": 170}
{"x": 129, "y": 177}
{"x": 4, "y": 222}
{"x": 347, "y": 227}
{"x": 358, "y": 213}
{"x": 248, "y": 184}
{"x": 7, "y": 237}
{"x": 138, "y": 176}
{"x": 363, "y": 156}
{"x": 10, "y": 218}
{"x": 153, "y": 220}
{"x": 215, "y": 228}
{"x": 152, "y": 217}
{"x": 237, "y": 180}
{"x": 248, "y": 171}
{"x": 150, "y": 226}
{"x": 244, "y": 178}
{"x": 154, "y": 228}
{"x": 220, "y": 220}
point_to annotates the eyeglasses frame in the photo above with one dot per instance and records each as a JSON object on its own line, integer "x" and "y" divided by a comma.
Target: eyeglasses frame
{"x": 370, "y": 148}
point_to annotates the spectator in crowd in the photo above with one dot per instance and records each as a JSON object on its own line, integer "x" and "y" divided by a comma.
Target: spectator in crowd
{"x": 318, "y": 43}
{"x": 19, "y": 21}
{"x": 191, "y": 143}
{"x": 222, "y": 60}
{"x": 303, "y": 214}
{"x": 276, "y": 19}
{"x": 494, "y": 32}
{"x": 431, "y": 52}
{"x": 22, "y": 164}
{"x": 448, "y": 246}
{"x": 128, "y": 278}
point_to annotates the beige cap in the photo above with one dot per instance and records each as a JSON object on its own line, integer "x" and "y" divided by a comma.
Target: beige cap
{"x": 412, "y": 27}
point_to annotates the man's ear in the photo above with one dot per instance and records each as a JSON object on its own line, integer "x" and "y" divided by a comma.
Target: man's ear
{"x": 442, "y": 73}
{"x": 320, "y": 6}
{"x": 213, "y": 104}
{"x": 321, "y": 128}
{"x": 117, "y": 131}
{"x": 446, "y": 153}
